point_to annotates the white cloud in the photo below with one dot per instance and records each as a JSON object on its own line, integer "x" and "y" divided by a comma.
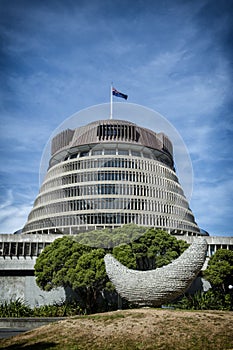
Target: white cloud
{"x": 13, "y": 216}
{"x": 212, "y": 204}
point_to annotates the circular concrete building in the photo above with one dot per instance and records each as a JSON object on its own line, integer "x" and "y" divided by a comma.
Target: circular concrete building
{"x": 107, "y": 174}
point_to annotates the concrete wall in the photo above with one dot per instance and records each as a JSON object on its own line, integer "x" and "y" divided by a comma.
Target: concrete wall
{"x": 25, "y": 288}
{"x": 12, "y": 287}
{"x": 17, "y": 281}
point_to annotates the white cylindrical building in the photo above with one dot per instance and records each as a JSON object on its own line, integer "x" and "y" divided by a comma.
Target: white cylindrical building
{"x": 107, "y": 174}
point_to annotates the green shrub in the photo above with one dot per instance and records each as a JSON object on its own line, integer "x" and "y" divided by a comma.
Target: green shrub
{"x": 61, "y": 309}
{"x": 15, "y": 308}
{"x": 18, "y": 308}
{"x": 210, "y": 300}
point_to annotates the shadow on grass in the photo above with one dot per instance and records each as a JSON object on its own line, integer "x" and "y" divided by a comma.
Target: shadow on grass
{"x": 36, "y": 346}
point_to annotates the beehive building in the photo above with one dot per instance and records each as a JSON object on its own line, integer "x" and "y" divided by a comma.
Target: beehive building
{"x": 107, "y": 174}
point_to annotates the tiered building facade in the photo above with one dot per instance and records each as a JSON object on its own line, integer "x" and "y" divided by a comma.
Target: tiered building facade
{"x": 108, "y": 174}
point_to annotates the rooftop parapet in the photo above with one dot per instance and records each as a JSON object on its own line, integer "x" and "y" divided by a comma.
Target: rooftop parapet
{"x": 111, "y": 131}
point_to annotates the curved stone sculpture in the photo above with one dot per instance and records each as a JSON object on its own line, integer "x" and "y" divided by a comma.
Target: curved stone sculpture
{"x": 159, "y": 286}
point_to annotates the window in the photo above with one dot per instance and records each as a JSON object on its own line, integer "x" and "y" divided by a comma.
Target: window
{"x": 13, "y": 249}
{"x": 123, "y": 152}
{"x": 73, "y": 156}
{"x": 146, "y": 155}
{"x": 27, "y": 249}
{"x": 96, "y": 152}
{"x": 84, "y": 154}
{"x": 20, "y": 249}
{"x": 110, "y": 151}
{"x": 135, "y": 154}
{"x": 6, "y": 247}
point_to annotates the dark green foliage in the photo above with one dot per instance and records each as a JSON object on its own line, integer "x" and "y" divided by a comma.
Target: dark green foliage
{"x": 15, "y": 308}
{"x": 109, "y": 238}
{"x": 67, "y": 262}
{"x": 88, "y": 277}
{"x": 51, "y": 266}
{"x": 18, "y": 308}
{"x": 220, "y": 270}
{"x": 61, "y": 309}
{"x": 125, "y": 255}
{"x": 156, "y": 248}
{"x": 220, "y": 275}
{"x": 210, "y": 300}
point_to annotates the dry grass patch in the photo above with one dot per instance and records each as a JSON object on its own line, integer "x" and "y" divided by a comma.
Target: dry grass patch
{"x": 145, "y": 329}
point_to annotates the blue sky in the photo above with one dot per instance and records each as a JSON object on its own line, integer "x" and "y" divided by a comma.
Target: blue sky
{"x": 174, "y": 57}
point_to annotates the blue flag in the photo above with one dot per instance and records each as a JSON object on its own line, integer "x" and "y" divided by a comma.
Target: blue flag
{"x": 118, "y": 94}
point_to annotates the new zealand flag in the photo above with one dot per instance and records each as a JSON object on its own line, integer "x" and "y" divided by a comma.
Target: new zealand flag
{"x": 118, "y": 94}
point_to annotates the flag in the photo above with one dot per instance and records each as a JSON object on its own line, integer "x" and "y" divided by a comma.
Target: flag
{"x": 118, "y": 94}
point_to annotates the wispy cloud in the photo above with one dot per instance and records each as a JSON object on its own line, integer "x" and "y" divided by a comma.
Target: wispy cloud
{"x": 213, "y": 205}
{"x": 13, "y": 212}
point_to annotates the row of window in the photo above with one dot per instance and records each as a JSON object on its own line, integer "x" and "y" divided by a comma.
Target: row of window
{"x": 124, "y": 217}
{"x": 141, "y": 164}
{"x": 21, "y": 248}
{"x": 120, "y": 189}
{"x": 105, "y": 203}
{"x": 106, "y": 152}
{"x": 117, "y": 175}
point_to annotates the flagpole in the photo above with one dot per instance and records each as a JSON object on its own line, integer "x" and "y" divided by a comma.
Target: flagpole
{"x": 111, "y": 102}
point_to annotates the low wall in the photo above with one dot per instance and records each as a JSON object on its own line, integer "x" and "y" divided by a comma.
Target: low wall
{"x": 28, "y": 323}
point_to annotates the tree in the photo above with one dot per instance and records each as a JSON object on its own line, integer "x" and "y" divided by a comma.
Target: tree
{"x": 108, "y": 238}
{"x": 51, "y": 265}
{"x": 88, "y": 277}
{"x": 156, "y": 248}
{"x": 68, "y": 263}
{"x": 220, "y": 270}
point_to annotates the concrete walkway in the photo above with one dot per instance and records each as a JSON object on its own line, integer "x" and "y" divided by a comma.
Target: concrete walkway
{"x": 10, "y": 327}
{"x": 11, "y": 332}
